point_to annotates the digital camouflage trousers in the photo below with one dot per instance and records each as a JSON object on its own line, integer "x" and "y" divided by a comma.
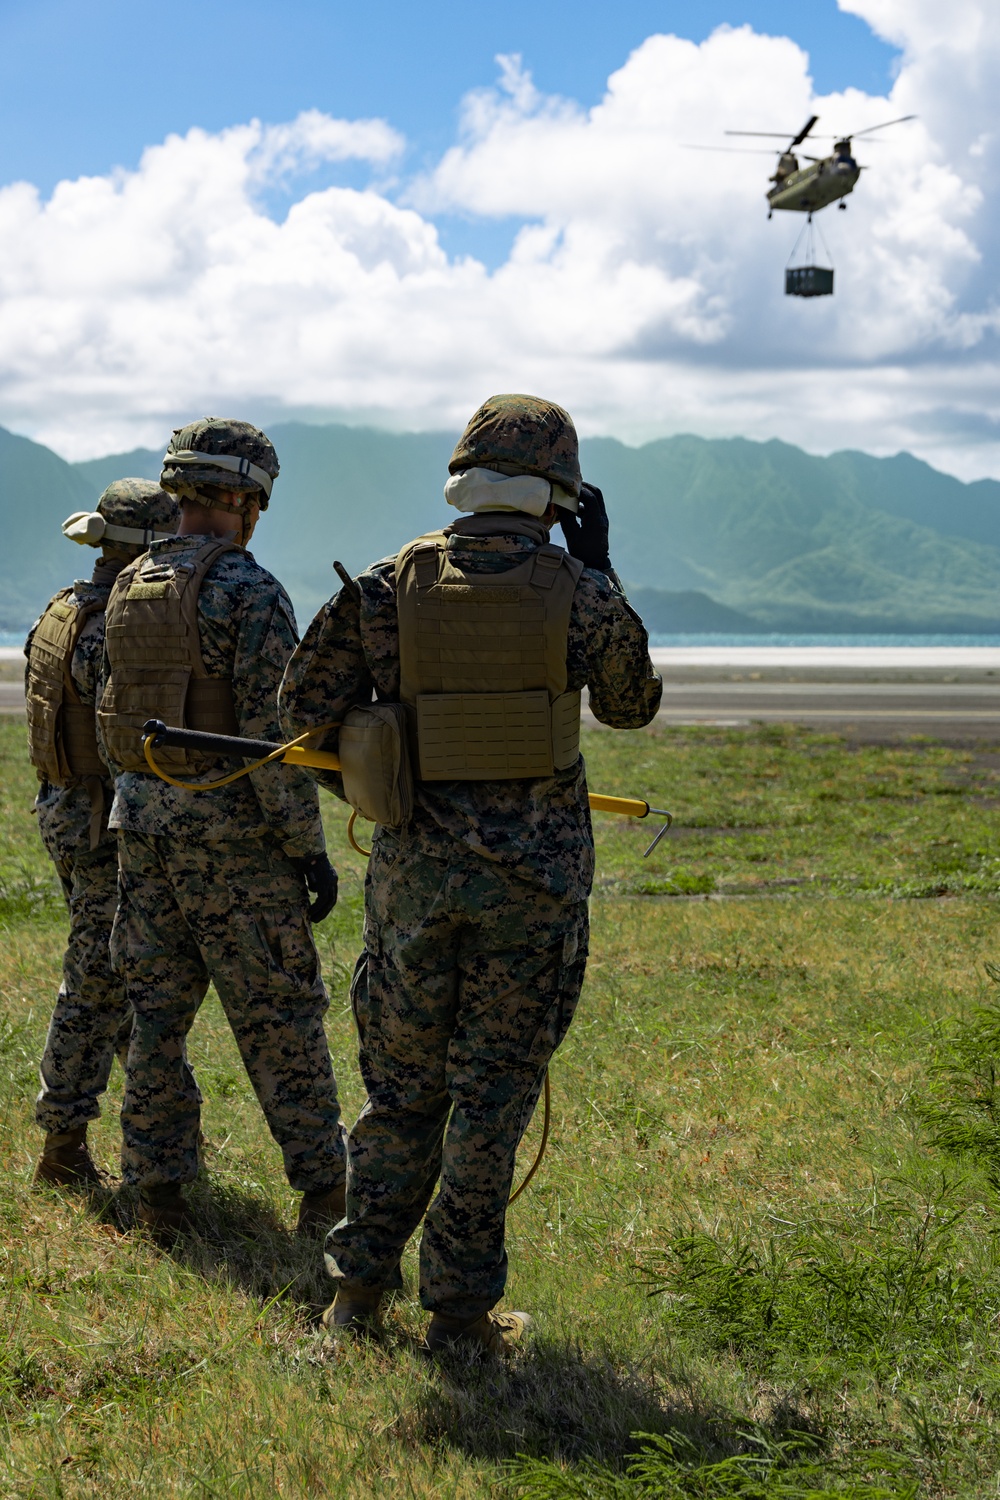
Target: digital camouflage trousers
{"x": 91, "y": 1021}
{"x": 467, "y": 985}
{"x": 232, "y": 912}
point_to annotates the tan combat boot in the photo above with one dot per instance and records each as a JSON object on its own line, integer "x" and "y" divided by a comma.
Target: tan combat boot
{"x": 354, "y": 1310}
{"x": 318, "y": 1212}
{"x": 493, "y": 1333}
{"x": 164, "y": 1211}
{"x": 66, "y": 1160}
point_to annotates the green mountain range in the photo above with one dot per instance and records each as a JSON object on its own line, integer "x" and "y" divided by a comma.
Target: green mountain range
{"x": 711, "y": 534}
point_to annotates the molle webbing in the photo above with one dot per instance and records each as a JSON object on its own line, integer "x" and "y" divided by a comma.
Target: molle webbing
{"x": 79, "y": 738}
{"x": 156, "y": 665}
{"x": 209, "y": 706}
{"x": 62, "y": 734}
{"x": 484, "y": 736}
{"x": 483, "y": 663}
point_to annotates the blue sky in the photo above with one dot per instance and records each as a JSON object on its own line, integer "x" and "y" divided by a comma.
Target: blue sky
{"x": 380, "y": 213}
{"x": 95, "y": 83}
{"x": 89, "y": 83}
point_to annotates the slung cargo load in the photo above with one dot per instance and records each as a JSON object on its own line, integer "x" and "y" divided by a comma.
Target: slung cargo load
{"x": 808, "y": 278}
{"x": 809, "y": 281}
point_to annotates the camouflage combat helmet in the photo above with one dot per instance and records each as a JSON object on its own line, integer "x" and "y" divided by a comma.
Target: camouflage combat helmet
{"x": 526, "y": 435}
{"x": 131, "y": 513}
{"x": 226, "y": 454}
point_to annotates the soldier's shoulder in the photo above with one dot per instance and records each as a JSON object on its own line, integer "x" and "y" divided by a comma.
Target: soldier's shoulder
{"x": 594, "y": 591}
{"x": 378, "y": 581}
{"x": 241, "y": 571}
{"x": 93, "y": 627}
{"x": 85, "y": 591}
{"x": 236, "y": 563}
{"x": 61, "y": 596}
{"x": 58, "y": 597}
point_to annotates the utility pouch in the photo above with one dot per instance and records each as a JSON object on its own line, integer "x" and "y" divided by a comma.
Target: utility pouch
{"x": 375, "y": 763}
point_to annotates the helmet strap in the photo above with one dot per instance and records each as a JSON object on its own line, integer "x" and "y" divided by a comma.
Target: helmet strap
{"x": 239, "y": 511}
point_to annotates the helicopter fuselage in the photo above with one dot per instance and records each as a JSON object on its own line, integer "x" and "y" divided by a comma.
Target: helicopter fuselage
{"x": 807, "y": 189}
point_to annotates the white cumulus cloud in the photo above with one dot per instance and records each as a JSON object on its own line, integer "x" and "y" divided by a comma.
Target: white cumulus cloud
{"x": 643, "y": 288}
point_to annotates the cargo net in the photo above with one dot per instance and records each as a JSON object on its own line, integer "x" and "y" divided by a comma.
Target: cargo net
{"x": 804, "y": 277}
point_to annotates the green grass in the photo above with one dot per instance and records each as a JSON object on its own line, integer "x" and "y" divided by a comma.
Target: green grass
{"x": 774, "y": 809}
{"x": 766, "y": 1233}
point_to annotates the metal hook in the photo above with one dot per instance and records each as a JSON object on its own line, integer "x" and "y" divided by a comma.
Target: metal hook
{"x": 658, "y": 812}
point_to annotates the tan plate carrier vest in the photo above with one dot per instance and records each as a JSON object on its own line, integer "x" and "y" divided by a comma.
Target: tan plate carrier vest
{"x": 157, "y": 671}
{"x": 483, "y": 663}
{"x": 62, "y": 734}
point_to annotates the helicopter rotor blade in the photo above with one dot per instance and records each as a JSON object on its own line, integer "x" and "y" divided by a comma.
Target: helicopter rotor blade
{"x": 884, "y": 126}
{"x": 812, "y": 120}
{"x": 781, "y": 135}
{"x": 734, "y": 150}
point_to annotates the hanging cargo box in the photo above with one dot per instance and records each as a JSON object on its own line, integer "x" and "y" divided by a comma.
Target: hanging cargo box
{"x": 808, "y": 281}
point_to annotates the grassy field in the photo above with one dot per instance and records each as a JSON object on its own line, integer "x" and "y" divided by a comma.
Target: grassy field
{"x": 766, "y": 1233}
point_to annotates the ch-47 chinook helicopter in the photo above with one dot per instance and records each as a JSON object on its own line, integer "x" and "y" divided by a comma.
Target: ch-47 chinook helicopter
{"x": 808, "y": 189}
{"x": 805, "y": 190}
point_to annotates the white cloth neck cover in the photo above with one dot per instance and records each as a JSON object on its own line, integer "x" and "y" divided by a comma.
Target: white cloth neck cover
{"x": 484, "y": 489}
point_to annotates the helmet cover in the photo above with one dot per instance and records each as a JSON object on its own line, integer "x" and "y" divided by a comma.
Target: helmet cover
{"x": 222, "y": 452}
{"x": 129, "y": 514}
{"x": 523, "y": 433}
{"x": 139, "y": 503}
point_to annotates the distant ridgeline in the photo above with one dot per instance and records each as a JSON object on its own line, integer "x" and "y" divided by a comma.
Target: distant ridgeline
{"x": 710, "y": 534}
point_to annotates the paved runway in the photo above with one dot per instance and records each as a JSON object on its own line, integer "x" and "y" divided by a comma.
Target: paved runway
{"x": 871, "y": 703}
{"x": 873, "y": 710}
{"x": 871, "y": 694}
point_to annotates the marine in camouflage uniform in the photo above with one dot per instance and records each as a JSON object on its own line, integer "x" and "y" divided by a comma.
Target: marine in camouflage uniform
{"x": 476, "y": 918}
{"x": 91, "y": 1021}
{"x": 214, "y": 884}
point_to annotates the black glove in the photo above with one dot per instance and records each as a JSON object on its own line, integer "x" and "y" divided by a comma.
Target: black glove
{"x": 320, "y": 878}
{"x": 586, "y": 533}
